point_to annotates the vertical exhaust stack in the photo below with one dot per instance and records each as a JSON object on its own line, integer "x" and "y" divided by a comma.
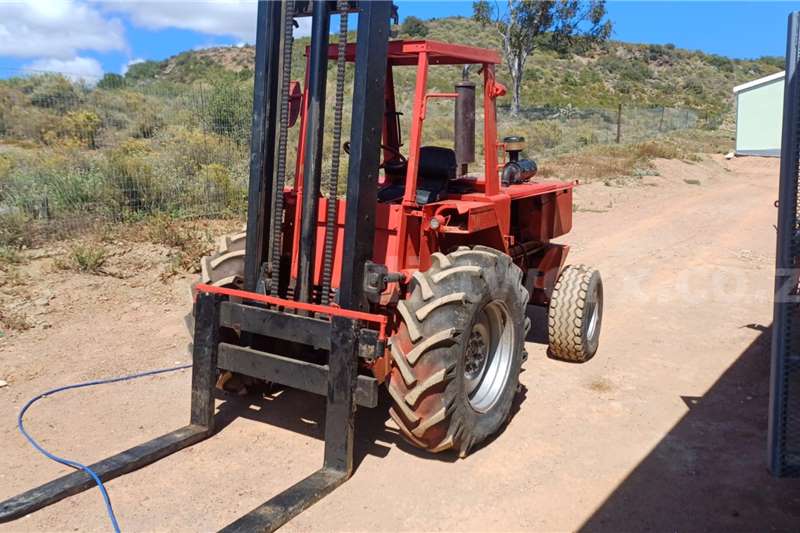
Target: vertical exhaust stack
{"x": 464, "y": 127}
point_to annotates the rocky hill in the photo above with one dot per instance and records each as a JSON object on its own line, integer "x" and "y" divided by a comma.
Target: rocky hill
{"x": 598, "y": 76}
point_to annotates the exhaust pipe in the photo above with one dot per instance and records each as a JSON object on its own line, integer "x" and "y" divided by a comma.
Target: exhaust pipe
{"x": 464, "y": 127}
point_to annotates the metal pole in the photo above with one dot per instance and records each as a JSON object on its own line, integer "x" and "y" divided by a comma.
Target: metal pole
{"x": 265, "y": 92}
{"x": 781, "y": 443}
{"x": 312, "y": 168}
{"x": 372, "y": 45}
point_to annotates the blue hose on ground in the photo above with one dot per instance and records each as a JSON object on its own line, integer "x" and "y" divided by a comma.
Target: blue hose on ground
{"x": 74, "y": 464}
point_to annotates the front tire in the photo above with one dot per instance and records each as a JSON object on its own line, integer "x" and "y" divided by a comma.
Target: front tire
{"x": 575, "y": 314}
{"x": 458, "y": 350}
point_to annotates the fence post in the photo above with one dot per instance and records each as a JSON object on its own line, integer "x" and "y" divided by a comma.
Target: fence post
{"x": 619, "y": 122}
{"x": 783, "y": 434}
{"x": 661, "y": 119}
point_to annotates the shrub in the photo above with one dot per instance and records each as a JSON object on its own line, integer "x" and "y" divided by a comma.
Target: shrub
{"x": 6, "y": 165}
{"x": 721, "y": 62}
{"x": 189, "y": 243}
{"x": 14, "y": 229}
{"x": 9, "y": 256}
{"x": 414, "y": 27}
{"x": 658, "y": 150}
{"x": 84, "y": 257}
{"x": 145, "y": 70}
{"x": 217, "y": 187}
{"x": 131, "y": 175}
{"x": 111, "y": 81}
{"x": 543, "y": 134}
{"x": 228, "y": 110}
{"x": 694, "y": 86}
{"x": 53, "y": 91}
{"x": 83, "y": 126}
{"x": 146, "y": 124}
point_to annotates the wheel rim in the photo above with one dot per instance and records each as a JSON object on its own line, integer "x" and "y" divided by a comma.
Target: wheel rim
{"x": 489, "y": 354}
{"x": 594, "y": 317}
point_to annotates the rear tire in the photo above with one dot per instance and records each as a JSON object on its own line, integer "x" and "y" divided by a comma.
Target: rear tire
{"x": 575, "y": 314}
{"x": 458, "y": 350}
{"x": 225, "y": 268}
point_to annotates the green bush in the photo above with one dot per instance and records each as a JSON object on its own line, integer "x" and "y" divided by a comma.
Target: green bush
{"x": 82, "y": 126}
{"x": 721, "y": 62}
{"x": 86, "y": 257}
{"x": 145, "y": 70}
{"x": 228, "y": 110}
{"x": 111, "y": 81}
{"x": 414, "y": 27}
{"x": 14, "y": 229}
{"x": 694, "y": 86}
{"x": 53, "y": 91}
{"x": 131, "y": 175}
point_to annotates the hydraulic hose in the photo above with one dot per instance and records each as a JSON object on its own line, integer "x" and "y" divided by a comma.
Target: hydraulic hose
{"x": 75, "y": 464}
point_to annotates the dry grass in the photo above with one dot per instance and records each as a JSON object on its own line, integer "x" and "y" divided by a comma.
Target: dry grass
{"x": 13, "y": 321}
{"x": 188, "y": 240}
{"x": 613, "y": 162}
{"x": 87, "y": 257}
{"x": 9, "y": 256}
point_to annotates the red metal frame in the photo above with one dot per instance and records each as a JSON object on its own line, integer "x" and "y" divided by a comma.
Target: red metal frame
{"x": 381, "y": 320}
{"x": 404, "y": 240}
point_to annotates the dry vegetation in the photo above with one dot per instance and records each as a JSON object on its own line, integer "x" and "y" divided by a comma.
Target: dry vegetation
{"x": 159, "y": 158}
{"x": 622, "y": 163}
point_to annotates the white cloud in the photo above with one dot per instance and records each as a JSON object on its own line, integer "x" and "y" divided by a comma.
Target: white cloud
{"x": 77, "y": 68}
{"x": 129, "y": 64}
{"x": 235, "y": 18}
{"x": 56, "y": 29}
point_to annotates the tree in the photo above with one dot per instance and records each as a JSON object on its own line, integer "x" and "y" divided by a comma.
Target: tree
{"x": 111, "y": 81}
{"x": 414, "y": 27}
{"x": 523, "y": 22}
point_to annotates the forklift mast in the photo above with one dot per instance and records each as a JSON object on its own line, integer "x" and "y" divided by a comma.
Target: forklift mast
{"x": 260, "y": 309}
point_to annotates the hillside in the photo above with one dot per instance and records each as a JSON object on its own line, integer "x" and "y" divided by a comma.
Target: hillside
{"x": 586, "y": 76}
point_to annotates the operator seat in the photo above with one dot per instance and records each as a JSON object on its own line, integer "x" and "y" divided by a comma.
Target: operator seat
{"x": 437, "y": 166}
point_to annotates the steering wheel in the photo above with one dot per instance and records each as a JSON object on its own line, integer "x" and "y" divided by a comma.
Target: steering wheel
{"x": 398, "y": 156}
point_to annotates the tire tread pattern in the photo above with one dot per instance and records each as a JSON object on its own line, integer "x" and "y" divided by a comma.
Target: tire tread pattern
{"x": 565, "y": 316}
{"x": 422, "y": 349}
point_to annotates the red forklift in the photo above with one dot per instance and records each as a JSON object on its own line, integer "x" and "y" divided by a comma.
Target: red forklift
{"x": 417, "y": 279}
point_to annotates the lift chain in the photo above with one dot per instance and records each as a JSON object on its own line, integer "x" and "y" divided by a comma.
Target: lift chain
{"x": 277, "y": 215}
{"x": 333, "y": 181}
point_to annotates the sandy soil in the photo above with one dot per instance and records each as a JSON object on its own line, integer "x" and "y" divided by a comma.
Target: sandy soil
{"x": 663, "y": 430}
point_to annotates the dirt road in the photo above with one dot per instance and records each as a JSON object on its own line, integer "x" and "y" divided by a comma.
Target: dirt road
{"x": 663, "y": 430}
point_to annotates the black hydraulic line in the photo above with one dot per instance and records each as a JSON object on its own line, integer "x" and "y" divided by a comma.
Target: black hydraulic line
{"x": 283, "y": 131}
{"x": 312, "y": 168}
{"x": 333, "y": 181}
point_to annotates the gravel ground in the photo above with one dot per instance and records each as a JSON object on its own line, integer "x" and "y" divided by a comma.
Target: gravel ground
{"x": 664, "y": 429}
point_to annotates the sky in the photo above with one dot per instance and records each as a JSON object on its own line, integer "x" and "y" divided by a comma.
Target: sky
{"x": 85, "y": 38}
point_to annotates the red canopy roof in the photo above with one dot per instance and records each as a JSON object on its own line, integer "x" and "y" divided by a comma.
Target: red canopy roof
{"x": 439, "y": 53}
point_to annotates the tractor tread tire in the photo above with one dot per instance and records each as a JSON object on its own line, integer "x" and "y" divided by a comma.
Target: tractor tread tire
{"x": 427, "y": 349}
{"x": 223, "y": 268}
{"x": 566, "y": 320}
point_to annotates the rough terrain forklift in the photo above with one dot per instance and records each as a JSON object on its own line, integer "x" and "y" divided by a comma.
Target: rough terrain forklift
{"x": 418, "y": 279}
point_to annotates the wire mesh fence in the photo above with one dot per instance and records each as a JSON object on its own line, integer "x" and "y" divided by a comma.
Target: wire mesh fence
{"x": 74, "y": 154}
{"x": 558, "y": 130}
